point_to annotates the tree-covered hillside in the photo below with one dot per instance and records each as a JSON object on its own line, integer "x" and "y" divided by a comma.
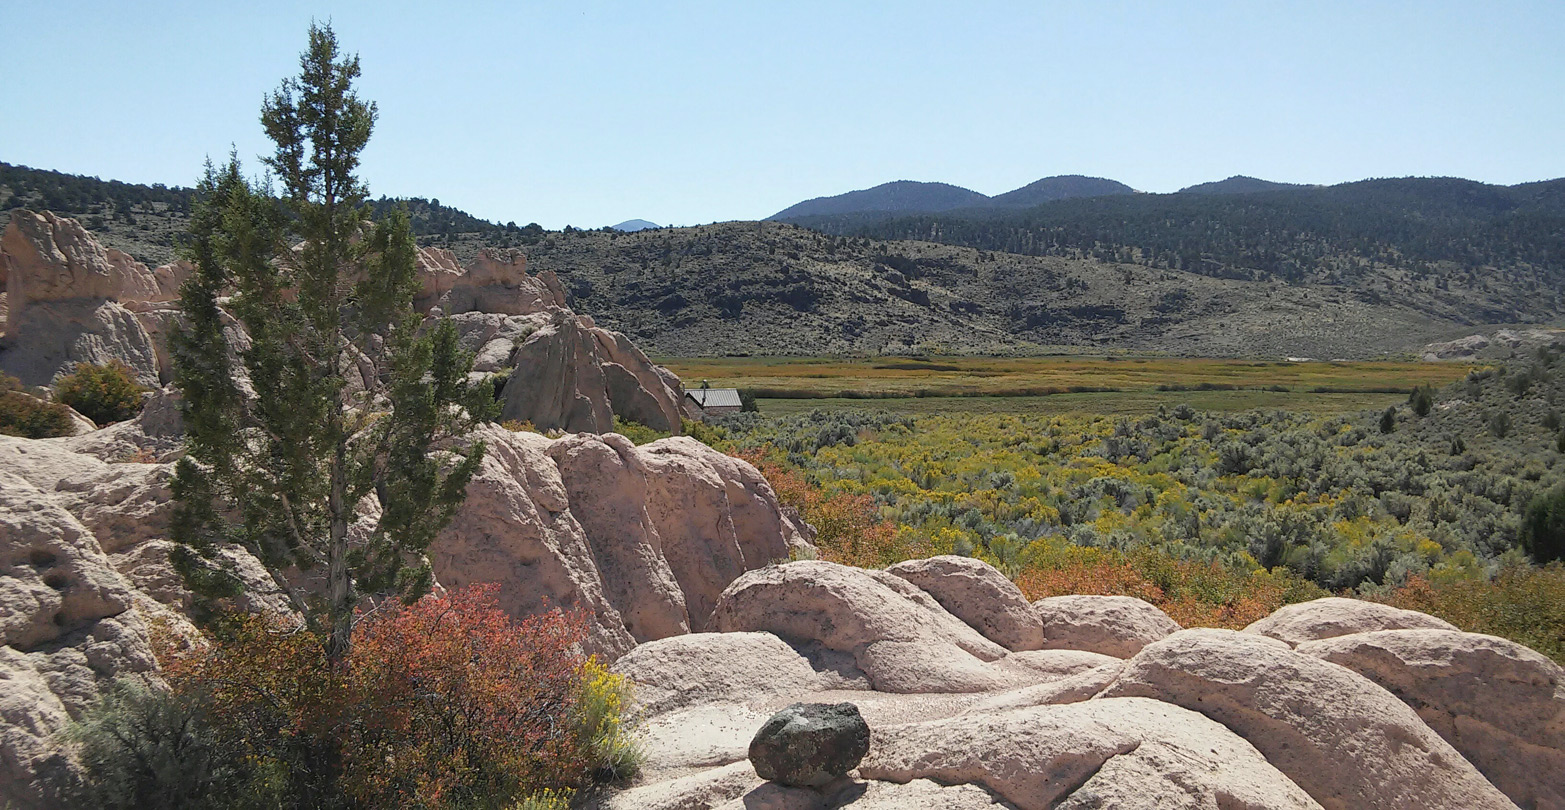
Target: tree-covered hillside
{"x": 1449, "y": 230}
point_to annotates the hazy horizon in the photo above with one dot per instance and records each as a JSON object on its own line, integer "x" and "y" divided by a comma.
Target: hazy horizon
{"x": 691, "y": 113}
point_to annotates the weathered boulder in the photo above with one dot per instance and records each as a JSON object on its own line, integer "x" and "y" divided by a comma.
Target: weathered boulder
{"x": 898, "y": 636}
{"x": 1122, "y": 753}
{"x": 572, "y": 375}
{"x": 67, "y": 627}
{"x": 1500, "y": 704}
{"x": 1345, "y": 740}
{"x": 810, "y": 744}
{"x": 1336, "y": 616}
{"x": 641, "y": 538}
{"x": 977, "y": 593}
{"x": 1112, "y": 625}
{"x": 705, "y": 668}
{"x": 1072, "y": 688}
{"x": 66, "y": 296}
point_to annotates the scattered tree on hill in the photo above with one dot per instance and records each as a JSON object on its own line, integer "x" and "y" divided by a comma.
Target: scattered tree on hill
{"x": 1422, "y": 399}
{"x": 1388, "y": 420}
{"x": 352, "y": 392}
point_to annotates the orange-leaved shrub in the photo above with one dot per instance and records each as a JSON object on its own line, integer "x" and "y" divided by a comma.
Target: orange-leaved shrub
{"x": 1195, "y": 594}
{"x": 447, "y": 702}
{"x": 1523, "y": 603}
{"x": 848, "y": 528}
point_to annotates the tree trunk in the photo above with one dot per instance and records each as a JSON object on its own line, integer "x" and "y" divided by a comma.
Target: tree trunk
{"x": 339, "y": 592}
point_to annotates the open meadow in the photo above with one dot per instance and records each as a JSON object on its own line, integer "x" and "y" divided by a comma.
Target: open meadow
{"x": 1219, "y": 501}
{"x": 1066, "y": 384}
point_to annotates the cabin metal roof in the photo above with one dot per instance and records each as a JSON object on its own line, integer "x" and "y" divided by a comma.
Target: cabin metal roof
{"x": 714, "y": 397}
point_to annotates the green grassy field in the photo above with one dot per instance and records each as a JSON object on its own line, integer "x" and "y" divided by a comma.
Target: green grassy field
{"x": 1067, "y": 384}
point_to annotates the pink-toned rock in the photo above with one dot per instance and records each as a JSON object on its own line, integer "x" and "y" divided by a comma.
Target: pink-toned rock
{"x": 1345, "y": 740}
{"x": 571, "y": 375}
{"x": 1112, "y": 625}
{"x": 1336, "y": 616}
{"x": 66, "y": 296}
{"x": 1122, "y": 753}
{"x": 977, "y": 593}
{"x": 1500, "y": 704}
{"x": 642, "y": 538}
{"x": 902, "y": 644}
{"x": 1073, "y": 688}
{"x": 702, "y": 668}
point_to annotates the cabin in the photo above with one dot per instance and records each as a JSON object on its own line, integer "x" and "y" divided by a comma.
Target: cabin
{"x": 701, "y": 402}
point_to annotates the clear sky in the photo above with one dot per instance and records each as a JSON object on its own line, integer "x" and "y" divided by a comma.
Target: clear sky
{"x": 589, "y": 113}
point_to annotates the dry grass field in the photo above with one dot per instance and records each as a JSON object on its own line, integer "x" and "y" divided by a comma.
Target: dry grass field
{"x": 1108, "y": 385}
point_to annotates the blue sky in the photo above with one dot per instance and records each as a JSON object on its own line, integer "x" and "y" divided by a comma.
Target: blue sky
{"x": 588, "y": 113}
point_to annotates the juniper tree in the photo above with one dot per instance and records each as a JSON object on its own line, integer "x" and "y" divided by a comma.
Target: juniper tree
{"x": 282, "y": 450}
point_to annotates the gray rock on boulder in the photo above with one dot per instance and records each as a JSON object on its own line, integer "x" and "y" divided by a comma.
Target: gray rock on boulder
{"x": 810, "y": 744}
{"x": 1500, "y": 704}
{"x": 1112, "y": 625}
{"x": 977, "y": 593}
{"x": 1333, "y": 616}
{"x": 1351, "y": 744}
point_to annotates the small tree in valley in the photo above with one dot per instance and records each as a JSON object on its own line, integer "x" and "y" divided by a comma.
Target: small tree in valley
{"x": 283, "y": 449}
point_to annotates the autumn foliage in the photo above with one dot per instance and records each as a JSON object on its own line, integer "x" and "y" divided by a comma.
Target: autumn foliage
{"x": 848, "y": 528}
{"x": 445, "y": 703}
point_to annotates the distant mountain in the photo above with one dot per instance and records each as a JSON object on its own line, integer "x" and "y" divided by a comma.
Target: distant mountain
{"x": 1238, "y": 184}
{"x": 1062, "y": 187}
{"x": 901, "y": 196}
{"x": 633, "y": 225}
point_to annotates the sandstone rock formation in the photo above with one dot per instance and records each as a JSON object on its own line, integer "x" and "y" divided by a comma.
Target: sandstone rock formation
{"x": 70, "y": 300}
{"x": 583, "y": 521}
{"x": 899, "y": 641}
{"x": 1113, "y": 625}
{"x": 1500, "y": 704}
{"x": 1348, "y": 742}
{"x": 980, "y": 595}
{"x": 67, "y": 297}
{"x": 1209, "y": 719}
{"x": 565, "y": 372}
{"x": 1335, "y": 616}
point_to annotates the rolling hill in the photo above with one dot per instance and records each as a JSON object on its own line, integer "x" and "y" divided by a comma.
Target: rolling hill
{"x": 1350, "y": 271}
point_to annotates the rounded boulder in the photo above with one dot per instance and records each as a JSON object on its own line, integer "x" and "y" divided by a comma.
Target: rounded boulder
{"x": 810, "y": 744}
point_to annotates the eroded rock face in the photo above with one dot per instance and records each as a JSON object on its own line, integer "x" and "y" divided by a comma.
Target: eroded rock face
{"x": 1349, "y": 743}
{"x": 1500, "y": 704}
{"x": 641, "y": 538}
{"x": 1335, "y": 616}
{"x": 1125, "y": 752}
{"x": 67, "y": 295}
{"x": 977, "y": 593}
{"x": 898, "y": 636}
{"x": 67, "y": 627}
{"x": 1112, "y": 625}
{"x": 680, "y": 671}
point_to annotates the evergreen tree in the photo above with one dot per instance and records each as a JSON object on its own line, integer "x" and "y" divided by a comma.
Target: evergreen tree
{"x": 283, "y": 448}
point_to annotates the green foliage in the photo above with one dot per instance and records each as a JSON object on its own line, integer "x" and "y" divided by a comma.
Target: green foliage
{"x": 1543, "y": 527}
{"x": 148, "y": 748}
{"x": 1422, "y": 400}
{"x": 103, "y": 393}
{"x": 1388, "y": 420}
{"x": 1450, "y": 228}
{"x": 23, "y": 414}
{"x": 282, "y": 473}
{"x": 637, "y": 432}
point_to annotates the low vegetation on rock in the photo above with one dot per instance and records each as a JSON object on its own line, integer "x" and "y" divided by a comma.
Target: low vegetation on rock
{"x": 104, "y": 393}
{"x": 24, "y": 414}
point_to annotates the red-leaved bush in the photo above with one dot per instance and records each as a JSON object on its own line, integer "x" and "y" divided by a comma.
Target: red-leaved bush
{"x": 448, "y": 702}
